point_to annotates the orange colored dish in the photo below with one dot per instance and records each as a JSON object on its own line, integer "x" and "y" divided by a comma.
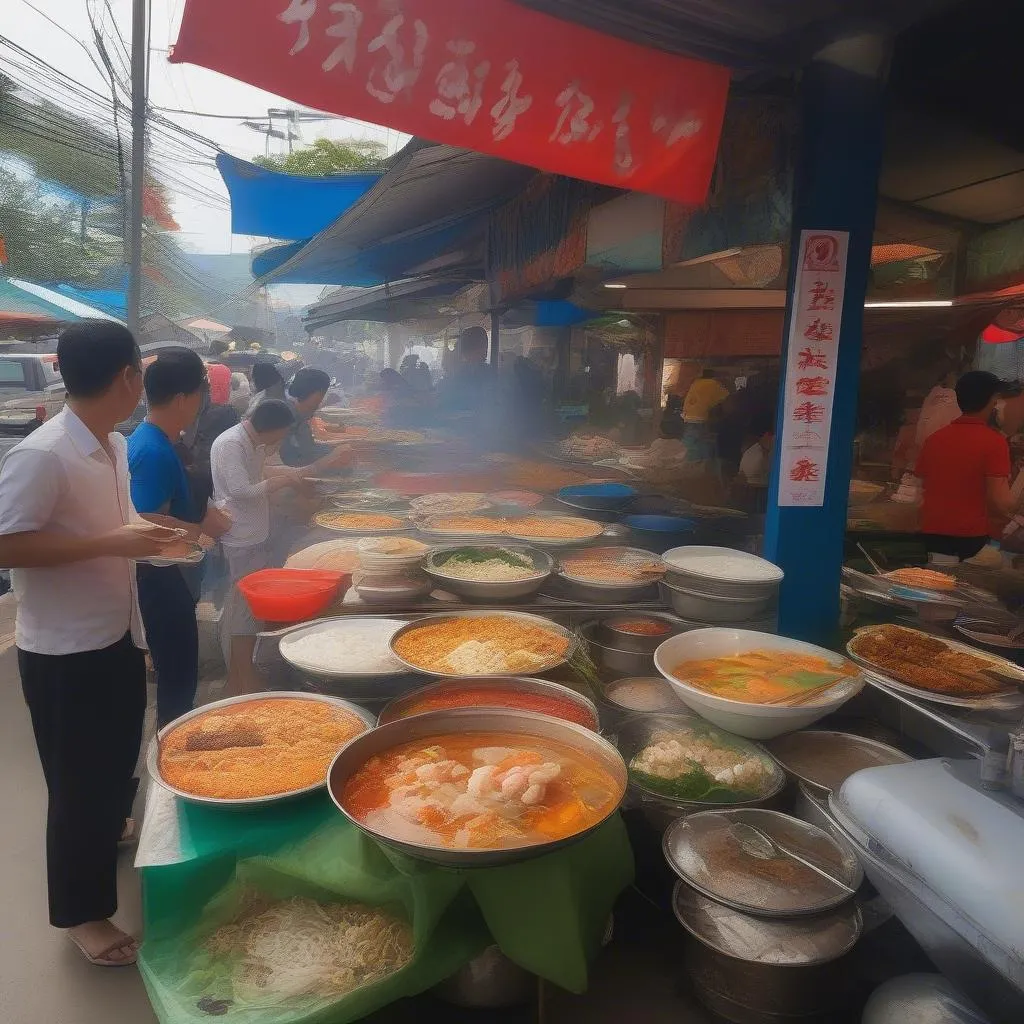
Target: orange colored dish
{"x": 469, "y": 524}
{"x": 359, "y": 521}
{"x": 256, "y": 748}
{"x": 555, "y": 528}
{"x": 927, "y": 579}
{"x": 481, "y": 646}
{"x": 481, "y": 791}
{"x": 525, "y": 499}
{"x": 762, "y": 677}
{"x": 460, "y": 696}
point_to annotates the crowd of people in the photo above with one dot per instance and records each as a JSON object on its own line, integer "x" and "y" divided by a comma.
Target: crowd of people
{"x": 84, "y": 512}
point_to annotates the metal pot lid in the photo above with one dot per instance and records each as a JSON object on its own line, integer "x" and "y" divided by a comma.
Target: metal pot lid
{"x": 719, "y": 855}
{"x": 802, "y": 942}
{"x": 825, "y": 760}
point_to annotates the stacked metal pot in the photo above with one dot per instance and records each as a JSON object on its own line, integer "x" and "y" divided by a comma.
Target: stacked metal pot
{"x": 767, "y": 903}
{"x": 713, "y": 586}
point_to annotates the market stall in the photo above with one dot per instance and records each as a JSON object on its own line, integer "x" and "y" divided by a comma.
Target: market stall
{"x": 442, "y": 603}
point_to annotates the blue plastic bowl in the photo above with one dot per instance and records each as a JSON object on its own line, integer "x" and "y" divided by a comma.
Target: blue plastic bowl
{"x": 659, "y": 533}
{"x": 598, "y": 496}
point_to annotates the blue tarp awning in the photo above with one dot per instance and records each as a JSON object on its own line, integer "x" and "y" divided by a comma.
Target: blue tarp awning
{"x": 107, "y": 300}
{"x": 427, "y": 215}
{"x": 288, "y": 206}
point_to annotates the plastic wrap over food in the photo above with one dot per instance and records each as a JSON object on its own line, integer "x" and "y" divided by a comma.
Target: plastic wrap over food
{"x": 920, "y": 999}
{"x": 683, "y": 759}
{"x": 794, "y": 943}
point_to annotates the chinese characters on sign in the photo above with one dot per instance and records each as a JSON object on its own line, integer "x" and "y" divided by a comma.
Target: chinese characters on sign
{"x": 497, "y": 78}
{"x": 811, "y": 367}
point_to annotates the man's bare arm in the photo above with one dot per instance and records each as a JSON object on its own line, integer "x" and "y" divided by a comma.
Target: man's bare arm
{"x": 43, "y": 549}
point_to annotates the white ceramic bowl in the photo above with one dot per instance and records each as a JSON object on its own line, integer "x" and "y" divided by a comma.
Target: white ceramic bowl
{"x": 753, "y": 721}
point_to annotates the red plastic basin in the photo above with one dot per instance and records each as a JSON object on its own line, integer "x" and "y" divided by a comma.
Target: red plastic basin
{"x": 291, "y": 595}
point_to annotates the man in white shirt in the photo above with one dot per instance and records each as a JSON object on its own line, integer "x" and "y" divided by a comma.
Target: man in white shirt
{"x": 65, "y": 510}
{"x": 242, "y": 485}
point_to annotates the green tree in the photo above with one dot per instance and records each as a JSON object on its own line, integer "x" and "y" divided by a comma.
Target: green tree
{"x": 328, "y": 156}
{"x": 43, "y": 238}
{"x": 59, "y": 146}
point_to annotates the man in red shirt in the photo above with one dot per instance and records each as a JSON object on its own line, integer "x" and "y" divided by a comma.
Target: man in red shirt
{"x": 964, "y": 469}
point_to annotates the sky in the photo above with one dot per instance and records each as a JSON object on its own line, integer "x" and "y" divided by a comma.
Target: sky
{"x": 204, "y": 228}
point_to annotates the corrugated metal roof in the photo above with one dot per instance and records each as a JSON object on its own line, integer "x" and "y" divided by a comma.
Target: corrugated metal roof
{"x": 388, "y": 303}
{"x": 743, "y": 34}
{"x": 430, "y": 192}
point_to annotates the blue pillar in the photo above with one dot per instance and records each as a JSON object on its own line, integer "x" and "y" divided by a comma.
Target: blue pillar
{"x": 842, "y": 98}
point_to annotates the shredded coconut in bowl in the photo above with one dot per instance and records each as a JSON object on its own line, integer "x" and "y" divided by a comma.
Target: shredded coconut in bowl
{"x": 359, "y": 646}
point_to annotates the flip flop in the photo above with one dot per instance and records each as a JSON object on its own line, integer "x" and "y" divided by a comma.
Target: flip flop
{"x": 101, "y": 959}
{"x": 129, "y": 834}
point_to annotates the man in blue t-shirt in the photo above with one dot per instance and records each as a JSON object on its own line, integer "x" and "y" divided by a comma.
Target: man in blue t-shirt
{"x": 160, "y": 489}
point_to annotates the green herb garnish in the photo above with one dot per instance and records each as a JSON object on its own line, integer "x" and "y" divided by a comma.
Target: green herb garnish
{"x": 477, "y": 555}
{"x": 695, "y": 785}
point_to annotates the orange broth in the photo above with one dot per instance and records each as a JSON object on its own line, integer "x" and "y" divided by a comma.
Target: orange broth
{"x": 457, "y": 791}
{"x": 760, "y": 677}
{"x": 501, "y": 697}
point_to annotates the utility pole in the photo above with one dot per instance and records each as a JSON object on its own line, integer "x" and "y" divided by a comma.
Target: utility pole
{"x": 140, "y": 59}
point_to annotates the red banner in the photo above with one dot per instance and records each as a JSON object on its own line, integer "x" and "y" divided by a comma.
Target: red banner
{"x": 485, "y": 75}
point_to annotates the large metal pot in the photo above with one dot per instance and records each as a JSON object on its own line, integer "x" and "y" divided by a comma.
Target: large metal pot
{"x": 401, "y": 707}
{"x": 755, "y": 971}
{"x": 519, "y": 723}
{"x": 489, "y": 981}
{"x": 693, "y": 604}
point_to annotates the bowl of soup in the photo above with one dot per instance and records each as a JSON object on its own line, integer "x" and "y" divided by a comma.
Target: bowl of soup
{"x": 756, "y": 685}
{"x": 518, "y": 693}
{"x": 478, "y": 787}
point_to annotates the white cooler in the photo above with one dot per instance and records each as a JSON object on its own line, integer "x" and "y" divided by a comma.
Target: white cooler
{"x": 948, "y": 857}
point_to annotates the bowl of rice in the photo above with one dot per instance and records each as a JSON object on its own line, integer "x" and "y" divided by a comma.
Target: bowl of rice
{"x": 350, "y": 647}
{"x": 489, "y": 572}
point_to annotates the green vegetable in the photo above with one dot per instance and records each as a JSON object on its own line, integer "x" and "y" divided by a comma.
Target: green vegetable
{"x": 476, "y": 555}
{"x": 694, "y": 785}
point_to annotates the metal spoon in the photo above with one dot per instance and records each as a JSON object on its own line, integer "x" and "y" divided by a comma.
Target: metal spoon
{"x": 879, "y": 571}
{"x": 757, "y": 843}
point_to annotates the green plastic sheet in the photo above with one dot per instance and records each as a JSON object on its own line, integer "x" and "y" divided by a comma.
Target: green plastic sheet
{"x": 547, "y": 914}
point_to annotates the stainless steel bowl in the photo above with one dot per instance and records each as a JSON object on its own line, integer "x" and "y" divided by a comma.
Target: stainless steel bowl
{"x": 634, "y": 733}
{"x": 484, "y": 590}
{"x": 720, "y": 588}
{"x": 706, "y": 608}
{"x": 623, "y": 640}
{"x": 603, "y": 593}
{"x": 398, "y": 709}
{"x": 534, "y": 620}
{"x": 612, "y": 660}
{"x": 518, "y": 723}
{"x": 245, "y": 803}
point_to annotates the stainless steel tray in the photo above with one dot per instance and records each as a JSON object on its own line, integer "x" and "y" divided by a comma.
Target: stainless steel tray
{"x": 246, "y": 803}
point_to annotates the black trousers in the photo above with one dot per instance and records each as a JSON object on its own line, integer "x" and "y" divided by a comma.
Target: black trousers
{"x": 168, "y": 606}
{"x": 87, "y": 712}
